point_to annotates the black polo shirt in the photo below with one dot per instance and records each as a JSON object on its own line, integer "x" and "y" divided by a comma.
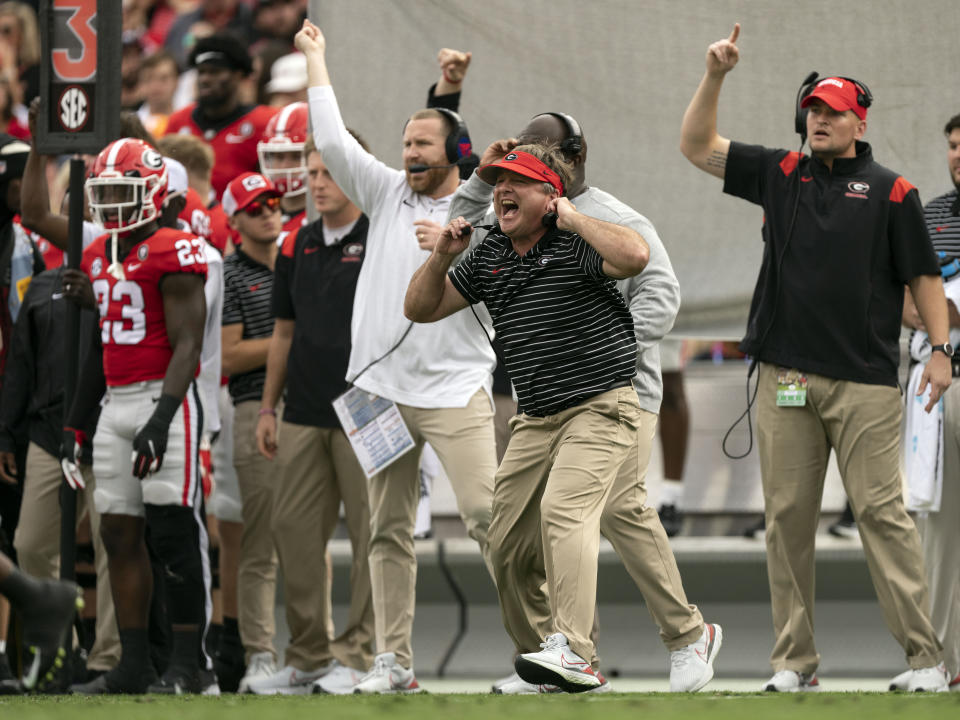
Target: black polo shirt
{"x": 247, "y": 288}
{"x": 836, "y": 298}
{"x": 567, "y": 334}
{"x": 314, "y": 285}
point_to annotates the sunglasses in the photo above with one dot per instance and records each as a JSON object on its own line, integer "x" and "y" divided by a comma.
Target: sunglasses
{"x": 256, "y": 208}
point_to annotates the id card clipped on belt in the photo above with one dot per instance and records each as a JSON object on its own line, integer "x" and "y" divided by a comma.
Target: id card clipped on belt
{"x": 374, "y": 427}
{"x": 791, "y": 388}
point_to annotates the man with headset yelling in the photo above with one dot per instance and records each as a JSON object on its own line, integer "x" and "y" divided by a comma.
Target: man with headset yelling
{"x": 843, "y": 236}
{"x": 438, "y": 375}
{"x": 632, "y": 527}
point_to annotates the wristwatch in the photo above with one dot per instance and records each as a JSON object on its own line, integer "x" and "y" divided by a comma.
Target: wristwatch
{"x": 946, "y": 349}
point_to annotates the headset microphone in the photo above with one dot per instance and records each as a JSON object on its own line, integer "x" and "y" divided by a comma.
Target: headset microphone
{"x": 424, "y": 168}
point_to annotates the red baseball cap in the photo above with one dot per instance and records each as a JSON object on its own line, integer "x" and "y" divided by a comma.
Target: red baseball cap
{"x": 524, "y": 164}
{"x": 839, "y": 93}
{"x": 244, "y": 189}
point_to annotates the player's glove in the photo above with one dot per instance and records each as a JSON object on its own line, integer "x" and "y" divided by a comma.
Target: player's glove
{"x": 70, "y": 447}
{"x": 150, "y": 443}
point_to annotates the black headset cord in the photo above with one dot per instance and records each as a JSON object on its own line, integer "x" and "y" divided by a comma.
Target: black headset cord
{"x": 773, "y": 315}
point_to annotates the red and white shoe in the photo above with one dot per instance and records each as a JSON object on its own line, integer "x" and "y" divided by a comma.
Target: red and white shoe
{"x": 387, "y": 677}
{"x": 929, "y": 679}
{"x": 556, "y": 664}
{"x": 954, "y": 685}
{"x": 691, "y": 667}
{"x": 790, "y": 681}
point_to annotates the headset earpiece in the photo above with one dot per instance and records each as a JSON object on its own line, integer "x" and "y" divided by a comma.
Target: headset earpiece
{"x": 800, "y": 117}
{"x": 458, "y": 144}
{"x": 573, "y": 143}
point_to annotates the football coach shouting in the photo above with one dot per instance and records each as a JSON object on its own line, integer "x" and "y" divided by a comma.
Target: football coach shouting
{"x": 570, "y": 351}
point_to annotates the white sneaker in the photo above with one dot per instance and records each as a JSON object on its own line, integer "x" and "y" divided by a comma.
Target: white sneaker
{"x": 691, "y": 667}
{"x": 288, "y": 681}
{"x": 261, "y": 665}
{"x": 509, "y": 679}
{"x": 557, "y": 665}
{"x": 339, "y": 681}
{"x": 790, "y": 681}
{"x": 387, "y": 677}
{"x": 519, "y": 686}
{"x": 930, "y": 679}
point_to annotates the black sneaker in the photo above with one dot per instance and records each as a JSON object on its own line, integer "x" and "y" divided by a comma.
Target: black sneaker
{"x": 178, "y": 681}
{"x": 117, "y": 682}
{"x": 671, "y": 519}
{"x": 46, "y": 630}
{"x": 757, "y": 530}
{"x": 846, "y": 526}
{"x": 229, "y": 664}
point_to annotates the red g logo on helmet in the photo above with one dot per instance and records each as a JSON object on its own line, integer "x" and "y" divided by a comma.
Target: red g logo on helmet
{"x": 127, "y": 185}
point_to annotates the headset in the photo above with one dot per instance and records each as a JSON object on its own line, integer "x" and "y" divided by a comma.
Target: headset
{"x": 573, "y": 143}
{"x": 458, "y": 144}
{"x": 864, "y": 99}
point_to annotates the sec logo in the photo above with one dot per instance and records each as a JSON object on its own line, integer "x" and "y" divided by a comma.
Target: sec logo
{"x": 74, "y": 109}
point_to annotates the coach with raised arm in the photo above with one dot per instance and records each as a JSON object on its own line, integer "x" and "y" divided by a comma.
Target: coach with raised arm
{"x": 843, "y": 236}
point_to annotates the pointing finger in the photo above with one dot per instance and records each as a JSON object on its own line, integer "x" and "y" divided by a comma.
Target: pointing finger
{"x": 735, "y": 34}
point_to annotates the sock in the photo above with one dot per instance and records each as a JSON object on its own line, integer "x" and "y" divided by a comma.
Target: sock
{"x": 20, "y": 589}
{"x": 134, "y": 649}
{"x": 3, "y": 646}
{"x": 186, "y": 646}
{"x": 671, "y": 492}
{"x": 231, "y": 627}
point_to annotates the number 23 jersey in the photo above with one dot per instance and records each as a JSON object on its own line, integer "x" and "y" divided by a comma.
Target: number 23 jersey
{"x": 132, "y": 326}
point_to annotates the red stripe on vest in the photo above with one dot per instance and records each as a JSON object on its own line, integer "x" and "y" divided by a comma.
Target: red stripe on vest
{"x": 789, "y": 162}
{"x": 899, "y": 190}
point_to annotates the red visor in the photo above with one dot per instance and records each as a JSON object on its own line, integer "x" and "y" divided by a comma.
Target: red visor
{"x": 838, "y": 93}
{"x": 523, "y": 164}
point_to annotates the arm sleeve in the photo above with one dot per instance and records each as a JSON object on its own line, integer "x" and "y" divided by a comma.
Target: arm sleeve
{"x": 590, "y": 260}
{"x": 232, "y": 312}
{"x": 653, "y": 296}
{"x": 465, "y": 277}
{"x": 18, "y": 374}
{"x": 359, "y": 174}
{"x": 282, "y": 299}
{"x": 745, "y": 175}
{"x": 910, "y": 245}
{"x": 450, "y": 101}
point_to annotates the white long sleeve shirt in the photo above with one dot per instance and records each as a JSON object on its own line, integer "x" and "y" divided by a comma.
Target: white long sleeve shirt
{"x": 438, "y": 365}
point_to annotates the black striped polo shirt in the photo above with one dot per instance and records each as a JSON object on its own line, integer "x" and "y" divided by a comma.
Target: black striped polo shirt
{"x": 567, "y": 334}
{"x": 943, "y": 223}
{"x": 247, "y": 293}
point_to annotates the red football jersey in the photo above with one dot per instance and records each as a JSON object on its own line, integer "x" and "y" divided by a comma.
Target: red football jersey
{"x": 220, "y": 230}
{"x": 291, "y": 226}
{"x": 195, "y": 214}
{"x": 132, "y": 326}
{"x": 234, "y": 146}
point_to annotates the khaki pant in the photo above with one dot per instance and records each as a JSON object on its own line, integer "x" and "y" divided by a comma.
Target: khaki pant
{"x": 463, "y": 439}
{"x": 862, "y": 424}
{"x": 37, "y": 542}
{"x": 940, "y": 536}
{"x": 634, "y": 530}
{"x": 316, "y": 470}
{"x": 257, "y": 567}
{"x": 549, "y": 496}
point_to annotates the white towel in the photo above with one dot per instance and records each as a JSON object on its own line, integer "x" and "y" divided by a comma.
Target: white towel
{"x": 923, "y": 451}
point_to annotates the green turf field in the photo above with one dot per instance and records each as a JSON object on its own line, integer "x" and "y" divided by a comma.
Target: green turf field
{"x": 612, "y": 706}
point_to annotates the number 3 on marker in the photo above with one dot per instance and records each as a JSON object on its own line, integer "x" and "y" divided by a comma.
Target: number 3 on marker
{"x": 80, "y": 24}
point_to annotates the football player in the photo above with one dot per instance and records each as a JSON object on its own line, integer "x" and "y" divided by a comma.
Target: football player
{"x": 147, "y": 283}
{"x": 284, "y": 162}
